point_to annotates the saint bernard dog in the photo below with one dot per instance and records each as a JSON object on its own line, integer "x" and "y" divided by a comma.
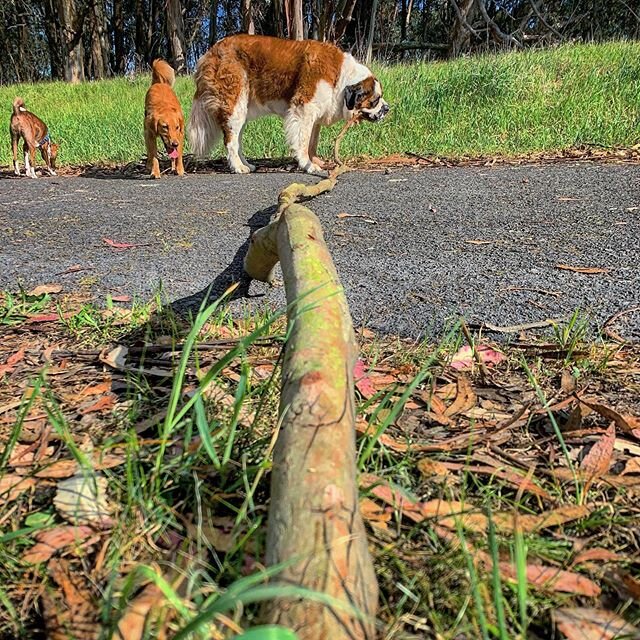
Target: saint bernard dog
{"x": 308, "y": 83}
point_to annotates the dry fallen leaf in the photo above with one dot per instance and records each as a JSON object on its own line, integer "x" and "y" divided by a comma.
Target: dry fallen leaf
{"x": 585, "y": 270}
{"x": 116, "y": 358}
{"x": 464, "y": 358}
{"x": 597, "y": 461}
{"x": 42, "y": 289}
{"x": 132, "y": 624}
{"x": 374, "y": 514}
{"x": 52, "y": 540}
{"x": 12, "y": 485}
{"x": 70, "y": 612}
{"x": 362, "y": 381}
{"x": 597, "y": 553}
{"x": 11, "y": 362}
{"x": 582, "y": 623}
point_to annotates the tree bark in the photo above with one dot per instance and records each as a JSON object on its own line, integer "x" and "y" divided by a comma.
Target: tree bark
{"x": 54, "y": 36}
{"x": 142, "y": 42}
{"x": 297, "y": 21}
{"x": 314, "y": 517}
{"x": 99, "y": 41}
{"x": 175, "y": 36}
{"x": 371, "y": 31}
{"x": 73, "y": 51}
{"x": 118, "y": 37}
{"x": 461, "y": 30}
{"x": 213, "y": 22}
{"x": 247, "y": 17}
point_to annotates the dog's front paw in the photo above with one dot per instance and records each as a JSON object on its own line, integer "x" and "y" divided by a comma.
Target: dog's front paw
{"x": 251, "y": 167}
{"x": 17, "y": 172}
{"x": 52, "y": 172}
{"x": 241, "y": 168}
{"x": 32, "y": 173}
{"x": 314, "y": 170}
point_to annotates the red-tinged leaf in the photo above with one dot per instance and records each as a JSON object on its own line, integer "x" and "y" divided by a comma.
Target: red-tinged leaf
{"x": 582, "y": 623}
{"x": 43, "y": 289}
{"x": 119, "y": 245}
{"x": 103, "y": 404}
{"x": 11, "y": 362}
{"x": 464, "y": 358}
{"x": 553, "y": 579}
{"x": 597, "y": 553}
{"x": 96, "y": 390}
{"x": 393, "y": 496}
{"x": 362, "y": 381}
{"x": 123, "y": 298}
{"x": 49, "y": 317}
{"x": 52, "y": 540}
{"x": 585, "y": 270}
{"x": 597, "y": 461}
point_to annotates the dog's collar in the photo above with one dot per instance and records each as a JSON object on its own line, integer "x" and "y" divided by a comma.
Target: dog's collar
{"x": 44, "y": 140}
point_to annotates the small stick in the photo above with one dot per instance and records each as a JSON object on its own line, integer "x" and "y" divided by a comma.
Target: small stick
{"x": 336, "y": 148}
{"x": 484, "y": 372}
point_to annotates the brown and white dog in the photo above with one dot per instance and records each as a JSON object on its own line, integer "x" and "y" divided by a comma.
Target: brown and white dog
{"x": 35, "y": 135}
{"x": 307, "y": 83}
{"x": 163, "y": 118}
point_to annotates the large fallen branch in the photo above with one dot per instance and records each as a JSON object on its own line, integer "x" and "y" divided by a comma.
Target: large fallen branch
{"x": 314, "y": 520}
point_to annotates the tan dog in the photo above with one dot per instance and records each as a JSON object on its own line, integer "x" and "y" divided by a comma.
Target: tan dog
{"x": 35, "y": 135}
{"x": 163, "y": 118}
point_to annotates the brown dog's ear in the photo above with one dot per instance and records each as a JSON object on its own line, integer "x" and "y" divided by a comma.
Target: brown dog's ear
{"x": 353, "y": 95}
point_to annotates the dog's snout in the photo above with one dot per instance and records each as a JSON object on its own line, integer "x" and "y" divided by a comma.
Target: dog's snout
{"x": 384, "y": 110}
{"x": 174, "y": 144}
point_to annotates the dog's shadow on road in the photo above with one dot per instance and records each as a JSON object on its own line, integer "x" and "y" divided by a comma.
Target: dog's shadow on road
{"x": 231, "y": 274}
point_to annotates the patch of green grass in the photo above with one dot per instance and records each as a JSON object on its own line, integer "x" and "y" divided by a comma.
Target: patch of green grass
{"x": 502, "y": 104}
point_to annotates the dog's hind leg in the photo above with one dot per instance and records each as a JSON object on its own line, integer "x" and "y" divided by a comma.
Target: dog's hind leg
{"x": 153, "y": 165}
{"x": 14, "y": 150}
{"x": 232, "y": 129}
{"x": 29, "y": 160}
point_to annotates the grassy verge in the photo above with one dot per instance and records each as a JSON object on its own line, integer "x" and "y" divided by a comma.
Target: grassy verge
{"x": 496, "y": 501}
{"x": 510, "y": 104}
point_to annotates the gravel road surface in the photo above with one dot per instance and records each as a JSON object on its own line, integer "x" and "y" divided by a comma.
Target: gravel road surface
{"x": 418, "y": 247}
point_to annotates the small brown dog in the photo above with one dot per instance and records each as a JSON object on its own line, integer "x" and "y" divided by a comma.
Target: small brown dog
{"x": 163, "y": 117}
{"x": 35, "y": 134}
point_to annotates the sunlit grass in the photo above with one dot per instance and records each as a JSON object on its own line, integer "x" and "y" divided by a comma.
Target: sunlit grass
{"x": 505, "y": 104}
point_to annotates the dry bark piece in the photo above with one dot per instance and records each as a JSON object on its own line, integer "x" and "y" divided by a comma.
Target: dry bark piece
{"x": 583, "y": 623}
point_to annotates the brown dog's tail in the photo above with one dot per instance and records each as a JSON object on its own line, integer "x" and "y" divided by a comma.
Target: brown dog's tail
{"x": 18, "y": 106}
{"x": 162, "y": 72}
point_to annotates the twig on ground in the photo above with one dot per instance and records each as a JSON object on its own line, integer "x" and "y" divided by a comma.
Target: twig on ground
{"x": 616, "y": 316}
{"x": 514, "y": 328}
{"x": 336, "y": 147}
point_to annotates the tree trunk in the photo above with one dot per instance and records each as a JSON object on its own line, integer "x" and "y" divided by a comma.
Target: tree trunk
{"x": 344, "y": 18}
{"x": 73, "y": 51}
{"x": 213, "y": 22}
{"x": 142, "y": 43}
{"x": 314, "y": 525}
{"x": 247, "y": 17}
{"x": 371, "y": 31}
{"x": 99, "y": 41}
{"x": 54, "y": 39}
{"x": 175, "y": 36}
{"x": 297, "y": 21}
{"x": 461, "y": 32}
{"x": 118, "y": 37}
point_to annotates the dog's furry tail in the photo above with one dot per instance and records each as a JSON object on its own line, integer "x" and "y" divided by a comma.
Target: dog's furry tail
{"x": 203, "y": 130}
{"x": 18, "y": 106}
{"x": 162, "y": 73}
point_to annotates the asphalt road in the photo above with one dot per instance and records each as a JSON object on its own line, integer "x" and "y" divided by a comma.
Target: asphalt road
{"x": 419, "y": 247}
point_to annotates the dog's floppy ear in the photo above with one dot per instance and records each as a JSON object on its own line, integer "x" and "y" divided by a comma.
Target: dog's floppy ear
{"x": 353, "y": 95}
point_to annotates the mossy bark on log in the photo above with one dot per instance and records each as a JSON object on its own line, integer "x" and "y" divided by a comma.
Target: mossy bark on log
{"x": 314, "y": 517}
